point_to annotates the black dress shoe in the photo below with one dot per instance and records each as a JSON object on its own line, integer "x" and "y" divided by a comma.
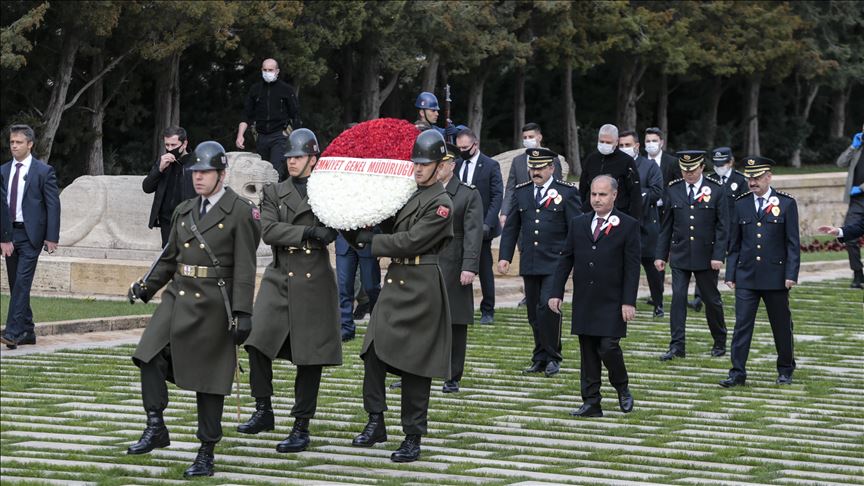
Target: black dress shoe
{"x": 450, "y": 386}
{"x": 155, "y": 436}
{"x": 588, "y": 410}
{"x": 650, "y": 301}
{"x": 203, "y": 463}
{"x": 374, "y": 432}
{"x": 361, "y": 311}
{"x": 28, "y": 338}
{"x": 625, "y": 400}
{"x": 536, "y": 367}
{"x": 487, "y": 319}
{"x": 732, "y": 382}
{"x": 857, "y": 281}
{"x": 552, "y": 368}
{"x": 695, "y": 304}
{"x": 8, "y": 341}
{"x": 523, "y": 302}
{"x": 658, "y": 311}
{"x": 784, "y": 380}
{"x": 298, "y": 439}
{"x": 409, "y": 451}
{"x": 672, "y": 354}
{"x": 262, "y": 418}
{"x": 717, "y": 352}
{"x": 347, "y": 335}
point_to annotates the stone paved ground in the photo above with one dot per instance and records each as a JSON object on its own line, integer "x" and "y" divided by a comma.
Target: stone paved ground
{"x": 66, "y": 416}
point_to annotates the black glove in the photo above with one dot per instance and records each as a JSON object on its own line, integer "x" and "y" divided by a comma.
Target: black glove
{"x": 321, "y": 233}
{"x": 364, "y": 237}
{"x": 138, "y": 290}
{"x": 244, "y": 326}
{"x": 487, "y": 232}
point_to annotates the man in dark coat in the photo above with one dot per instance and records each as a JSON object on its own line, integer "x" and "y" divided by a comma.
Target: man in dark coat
{"x": 169, "y": 181}
{"x": 460, "y": 261}
{"x": 541, "y": 212}
{"x": 296, "y": 312}
{"x": 853, "y": 230}
{"x": 410, "y": 331}
{"x": 602, "y": 250}
{"x": 852, "y": 159}
{"x": 484, "y": 173}
{"x": 209, "y": 267}
{"x": 532, "y": 137}
{"x": 693, "y": 241}
{"x": 609, "y": 160}
{"x": 763, "y": 263}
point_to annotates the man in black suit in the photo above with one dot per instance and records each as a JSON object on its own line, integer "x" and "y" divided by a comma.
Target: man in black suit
{"x": 763, "y": 263}
{"x": 655, "y": 147}
{"x": 532, "y": 137}
{"x": 602, "y": 250}
{"x": 169, "y": 180}
{"x": 540, "y": 214}
{"x": 693, "y": 240}
{"x": 34, "y": 211}
{"x": 484, "y": 173}
{"x": 609, "y": 160}
{"x": 6, "y": 246}
{"x": 851, "y": 231}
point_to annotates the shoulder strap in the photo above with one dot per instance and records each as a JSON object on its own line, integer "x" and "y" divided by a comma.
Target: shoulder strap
{"x": 221, "y": 282}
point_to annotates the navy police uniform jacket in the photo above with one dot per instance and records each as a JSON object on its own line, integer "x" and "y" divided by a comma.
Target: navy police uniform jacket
{"x": 764, "y": 248}
{"x": 543, "y": 228}
{"x": 693, "y": 232}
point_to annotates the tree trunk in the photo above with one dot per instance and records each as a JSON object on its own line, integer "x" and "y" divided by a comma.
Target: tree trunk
{"x": 56, "y": 105}
{"x": 804, "y": 114}
{"x": 839, "y": 102}
{"x": 475, "y": 100}
{"x": 663, "y": 104}
{"x": 628, "y": 85}
{"x": 518, "y": 105}
{"x": 751, "y": 115}
{"x": 95, "y": 161}
{"x": 346, "y": 80}
{"x": 430, "y": 72}
{"x": 370, "y": 88}
{"x": 571, "y": 141}
{"x": 167, "y": 112}
{"x": 714, "y": 95}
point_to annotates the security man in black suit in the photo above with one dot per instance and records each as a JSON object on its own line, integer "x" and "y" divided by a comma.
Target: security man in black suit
{"x": 541, "y": 212}
{"x": 169, "y": 180}
{"x": 763, "y": 262}
{"x": 693, "y": 240}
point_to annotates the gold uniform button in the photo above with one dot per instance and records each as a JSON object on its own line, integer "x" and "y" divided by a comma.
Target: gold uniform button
{"x": 389, "y": 280}
{"x": 201, "y": 246}
{"x": 182, "y": 293}
{"x": 759, "y": 224}
{"x": 758, "y": 235}
{"x": 308, "y": 251}
{"x": 758, "y": 247}
{"x": 536, "y": 232}
{"x": 197, "y": 295}
{"x": 692, "y": 207}
{"x": 401, "y": 282}
{"x": 185, "y": 245}
{"x": 537, "y": 221}
{"x": 182, "y": 223}
{"x": 692, "y": 227}
{"x": 536, "y": 243}
{"x": 308, "y": 275}
{"x": 290, "y": 274}
{"x": 221, "y": 225}
{"x": 692, "y": 238}
{"x": 538, "y": 210}
{"x": 758, "y": 258}
{"x": 692, "y": 217}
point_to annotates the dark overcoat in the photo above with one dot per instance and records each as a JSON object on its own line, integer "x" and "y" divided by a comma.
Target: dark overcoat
{"x": 462, "y": 253}
{"x": 652, "y": 189}
{"x": 192, "y": 316}
{"x": 298, "y": 295}
{"x": 694, "y": 232}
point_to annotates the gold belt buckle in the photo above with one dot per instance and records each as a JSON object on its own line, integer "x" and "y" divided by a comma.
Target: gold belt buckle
{"x": 202, "y": 272}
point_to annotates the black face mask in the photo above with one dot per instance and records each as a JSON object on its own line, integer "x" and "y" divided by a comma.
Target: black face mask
{"x": 465, "y": 154}
{"x": 176, "y": 152}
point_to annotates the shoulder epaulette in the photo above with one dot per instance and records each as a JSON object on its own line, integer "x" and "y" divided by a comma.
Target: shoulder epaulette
{"x": 566, "y": 183}
{"x": 523, "y": 184}
{"x": 472, "y": 186}
{"x": 744, "y": 195}
{"x": 712, "y": 179}
{"x": 676, "y": 181}
{"x": 784, "y": 194}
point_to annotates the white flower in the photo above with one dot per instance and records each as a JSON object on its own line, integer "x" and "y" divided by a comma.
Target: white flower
{"x": 614, "y": 220}
{"x": 774, "y": 201}
{"x": 706, "y": 190}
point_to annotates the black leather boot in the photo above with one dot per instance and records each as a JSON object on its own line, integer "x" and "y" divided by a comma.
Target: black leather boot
{"x": 155, "y": 436}
{"x": 409, "y": 451}
{"x": 203, "y": 463}
{"x": 857, "y": 280}
{"x": 261, "y": 420}
{"x": 298, "y": 439}
{"x": 374, "y": 432}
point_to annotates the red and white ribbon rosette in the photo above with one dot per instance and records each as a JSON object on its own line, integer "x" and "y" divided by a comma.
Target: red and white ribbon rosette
{"x": 611, "y": 223}
{"x": 704, "y": 194}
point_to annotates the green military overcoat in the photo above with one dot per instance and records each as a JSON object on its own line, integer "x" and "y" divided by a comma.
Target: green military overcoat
{"x": 192, "y": 318}
{"x": 462, "y": 253}
{"x": 410, "y": 324}
{"x": 298, "y": 295}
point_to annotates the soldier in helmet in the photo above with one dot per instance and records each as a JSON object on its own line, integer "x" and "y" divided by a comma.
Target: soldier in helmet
{"x": 297, "y": 310}
{"x": 208, "y": 266}
{"x": 409, "y": 333}
{"x": 427, "y": 117}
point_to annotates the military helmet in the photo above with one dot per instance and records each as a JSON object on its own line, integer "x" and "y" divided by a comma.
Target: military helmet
{"x": 429, "y": 148}
{"x": 302, "y": 142}
{"x": 209, "y": 155}
{"x": 427, "y": 101}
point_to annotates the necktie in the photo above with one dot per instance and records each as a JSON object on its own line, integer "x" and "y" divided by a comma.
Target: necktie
{"x": 691, "y": 194}
{"x": 13, "y": 194}
{"x": 203, "y": 208}
{"x": 723, "y": 180}
{"x": 465, "y": 172}
{"x": 759, "y": 202}
{"x": 600, "y": 222}
{"x": 538, "y": 196}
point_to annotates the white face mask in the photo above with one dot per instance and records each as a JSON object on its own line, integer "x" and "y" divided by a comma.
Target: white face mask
{"x": 605, "y": 148}
{"x": 722, "y": 170}
{"x": 268, "y": 76}
{"x": 653, "y": 148}
{"x": 631, "y": 151}
{"x": 529, "y": 143}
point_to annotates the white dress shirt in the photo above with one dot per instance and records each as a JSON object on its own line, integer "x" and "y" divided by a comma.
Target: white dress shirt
{"x": 471, "y": 167}
{"x": 22, "y": 178}
{"x": 764, "y": 200}
{"x": 545, "y": 188}
{"x": 214, "y": 198}
{"x": 596, "y": 217}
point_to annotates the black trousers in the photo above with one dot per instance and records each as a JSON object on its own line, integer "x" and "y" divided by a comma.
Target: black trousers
{"x": 487, "y": 279}
{"x": 306, "y": 382}
{"x": 165, "y": 227}
{"x": 545, "y": 324}
{"x": 655, "y": 280}
{"x": 777, "y": 307}
{"x": 415, "y": 393}
{"x": 706, "y": 282}
{"x": 154, "y": 394}
{"x": 593, "y": 351}
{"x": 271, "y": 146}
{"x": 855, "y": 213}
{"x": 457, "y": 353}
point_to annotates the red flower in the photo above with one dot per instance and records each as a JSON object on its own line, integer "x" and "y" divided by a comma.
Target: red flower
{"x": 384, "y": 138}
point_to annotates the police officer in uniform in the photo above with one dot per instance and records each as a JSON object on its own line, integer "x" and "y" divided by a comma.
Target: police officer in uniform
{"x": 427, "y": 117}
{"x": 296, "y": 312}
{"x": 763, "y": 262}
{"x": 209, "y": 268}
{"x": 541, "y": 212}
{"x": 460, "y": 261}
{"x": 693, "y": 240}
{"x": 410, "y": 331}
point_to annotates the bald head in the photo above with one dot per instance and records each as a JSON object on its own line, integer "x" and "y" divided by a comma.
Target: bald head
{"x": 270, "y": 65}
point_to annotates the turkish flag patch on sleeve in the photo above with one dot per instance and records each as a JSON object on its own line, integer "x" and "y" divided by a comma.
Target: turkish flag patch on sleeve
{"x": 443, "y": 211}
{"x": 256, "y": 214}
